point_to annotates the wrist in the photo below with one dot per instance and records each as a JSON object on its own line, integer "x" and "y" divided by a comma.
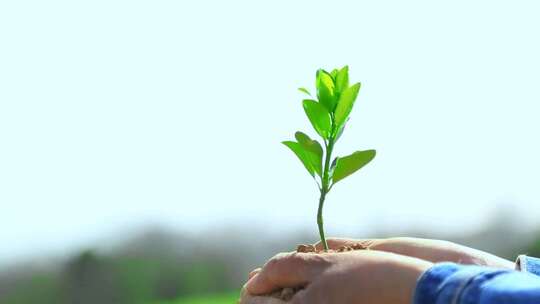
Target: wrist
{"x": 412, "y": 272}
{"x": 400, "y": 277}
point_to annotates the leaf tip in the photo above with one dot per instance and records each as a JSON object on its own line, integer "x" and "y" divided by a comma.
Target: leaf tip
{"x": 304, "y": 90}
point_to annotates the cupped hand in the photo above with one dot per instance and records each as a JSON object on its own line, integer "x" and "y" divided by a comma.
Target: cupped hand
{"x": 426, "y": 249}
{"x": 370, "y": 276}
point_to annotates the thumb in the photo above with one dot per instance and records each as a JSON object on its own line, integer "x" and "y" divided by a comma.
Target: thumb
{"x": 286, "y": 270}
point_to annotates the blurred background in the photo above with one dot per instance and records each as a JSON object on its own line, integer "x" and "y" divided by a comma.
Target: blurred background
{"x": 140, "y": 155}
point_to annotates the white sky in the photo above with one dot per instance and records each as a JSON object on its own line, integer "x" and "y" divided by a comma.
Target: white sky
{"x": 116, "y": 114}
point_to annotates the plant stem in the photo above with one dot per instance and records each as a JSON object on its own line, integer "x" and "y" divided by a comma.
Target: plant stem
{"x": 320, "y": 220}
{"x": 324, "y": 191}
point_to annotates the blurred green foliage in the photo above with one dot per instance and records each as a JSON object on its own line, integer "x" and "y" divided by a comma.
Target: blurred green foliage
{"x": 149, "y": 269}
{"x": 534, "y": 249}
{"x": 226, "y": 298}
{"x": 38, "y": 288}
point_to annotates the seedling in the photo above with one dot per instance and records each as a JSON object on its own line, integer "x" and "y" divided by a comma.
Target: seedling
{"x": 328, "y": 115}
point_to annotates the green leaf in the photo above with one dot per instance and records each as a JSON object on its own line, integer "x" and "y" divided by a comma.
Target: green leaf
{"x": 302, "y": 137}
{"x": 308, "y": 143}
{"x": 319, "y": 117}
{"x": 325, "y": 90}
{"x": 314, "y": 147}
{"x": 334, "y": 74}
{"x": 345, "y": 104}
{"x": 304, "y": 90}
{"x": 302, "y": 154}
{"x": 342, "y": 80}
{"x": 347, "y": 165}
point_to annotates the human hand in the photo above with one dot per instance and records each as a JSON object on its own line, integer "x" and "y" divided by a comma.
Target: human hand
{"x": 426, "y": 249}
{"x": 374, "y": 277}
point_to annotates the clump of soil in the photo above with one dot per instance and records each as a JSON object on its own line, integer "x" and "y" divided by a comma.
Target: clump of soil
{"x": 311, "y": 248}
{"x": 286, "y": 294}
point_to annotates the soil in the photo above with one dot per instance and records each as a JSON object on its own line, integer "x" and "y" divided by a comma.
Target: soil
{"x": 284, "y": 295}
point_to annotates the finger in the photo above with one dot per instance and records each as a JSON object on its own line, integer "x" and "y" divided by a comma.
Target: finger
{"x": 414, "y": 247}
{"x": 313, "y": 294}
{"x": 301, "y": 297}
{"x": 425, "y": 249}
{"x": 286, "y": 270}
{"x": 440, "y": 251}
{"x": 254, "y": 272}
{"x": 336, "y": 243}
{"x": 403, "y": 245}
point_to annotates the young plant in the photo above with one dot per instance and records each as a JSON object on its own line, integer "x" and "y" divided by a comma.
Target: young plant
{"x": 328, "y": 115}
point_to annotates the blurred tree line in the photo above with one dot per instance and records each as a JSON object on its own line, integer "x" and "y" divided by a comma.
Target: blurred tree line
{"x": 152, "y": 266}
{"x": 160, "y": 265}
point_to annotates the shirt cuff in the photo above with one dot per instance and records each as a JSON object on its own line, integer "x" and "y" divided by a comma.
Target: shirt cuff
{"x": 450, "y": 283}
{"x": 528, "y": 264}
{"x": 430, "y": 283}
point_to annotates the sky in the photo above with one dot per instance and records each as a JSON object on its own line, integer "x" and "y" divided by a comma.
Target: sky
{"x": 121, "y": 114}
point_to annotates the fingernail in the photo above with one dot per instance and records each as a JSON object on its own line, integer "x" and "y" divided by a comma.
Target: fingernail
{"x": 253, "y": 272}
{"x": 251, "y": 282}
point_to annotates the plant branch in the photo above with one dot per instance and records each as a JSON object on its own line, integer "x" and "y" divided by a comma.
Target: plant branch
{"x": 331, "y": 186}
{"x": 317, "y": 183}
